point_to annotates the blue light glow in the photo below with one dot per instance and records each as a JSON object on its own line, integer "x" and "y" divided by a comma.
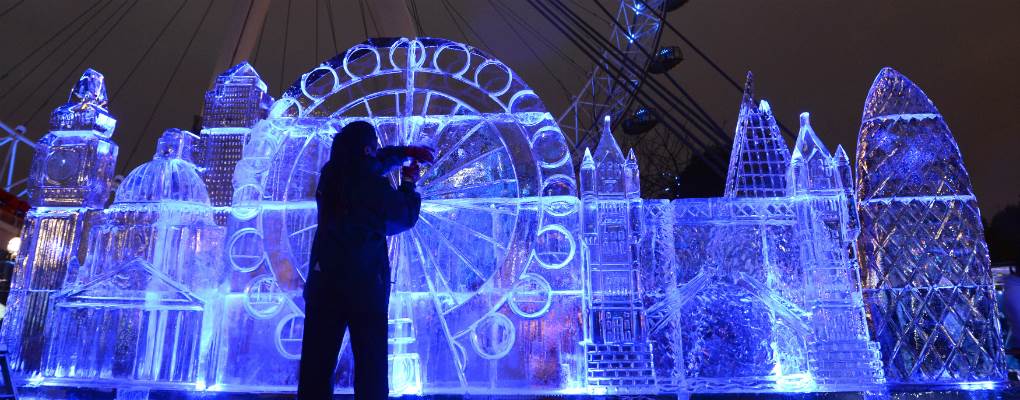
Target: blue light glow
{"x": 520, "y": 276}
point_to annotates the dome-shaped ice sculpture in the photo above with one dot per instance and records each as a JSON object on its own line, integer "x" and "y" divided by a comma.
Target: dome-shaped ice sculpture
{"x": 153, "y": 258}
{"x": 170, "y": 176}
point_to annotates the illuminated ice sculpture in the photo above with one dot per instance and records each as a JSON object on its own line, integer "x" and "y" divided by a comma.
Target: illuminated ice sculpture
{"x": 68, "y": 185}
{"x": 143, "y": 304}
{"x": 518, "y": 278}
{"x": 758, "y": 290}
{"x": 488, "y": 289}
{"x": 928, "y": 280}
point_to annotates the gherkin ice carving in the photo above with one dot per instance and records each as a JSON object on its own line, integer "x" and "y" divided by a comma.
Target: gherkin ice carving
{"x": 927, "y": 279}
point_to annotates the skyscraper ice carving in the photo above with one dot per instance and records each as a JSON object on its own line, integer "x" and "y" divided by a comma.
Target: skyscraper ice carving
{"x": 237, "y": 101}
{"x": 927, "y": 276}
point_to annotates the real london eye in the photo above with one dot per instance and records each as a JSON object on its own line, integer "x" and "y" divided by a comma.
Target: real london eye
{"x": 610, "y": 207}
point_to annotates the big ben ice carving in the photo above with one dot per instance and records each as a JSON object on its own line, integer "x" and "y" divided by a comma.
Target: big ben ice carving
{"x": 69, "y": 182}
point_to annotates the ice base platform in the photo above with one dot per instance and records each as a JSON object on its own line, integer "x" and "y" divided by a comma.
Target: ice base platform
{"x": 970, "y": 391}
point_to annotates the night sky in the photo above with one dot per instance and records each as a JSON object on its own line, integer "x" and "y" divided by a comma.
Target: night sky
{"x": 817, "y": 56}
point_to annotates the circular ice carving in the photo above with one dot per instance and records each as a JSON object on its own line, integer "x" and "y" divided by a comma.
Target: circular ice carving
{"x": 320, "y": 82}
{"x": 413, "y": 53}
{"x": 289, "y": 334}
{"x": 493, "y": 336}
{"x": 475, "y": 230}
{"x": 555, "y": 247}
{"x": 531, "y": 296}
{"x": 263, "y": 298}
{"x": 527, "y": 107}
{"x": 246, "y": 202}
{"x": 559, "y": 185}
{"x": 285, "y": 108}
{"x": 550, "y": 147}
{"x": 441, "y": 62}
{"x": 354, "y": 57}
{"x": 245, "y": 250}
{"x": 490, "y": 77}
{"x": 62, "y": 164}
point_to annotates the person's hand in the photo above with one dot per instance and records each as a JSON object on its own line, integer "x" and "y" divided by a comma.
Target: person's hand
{"x": 410, "y": 173}
{"x": 420, "y": 153}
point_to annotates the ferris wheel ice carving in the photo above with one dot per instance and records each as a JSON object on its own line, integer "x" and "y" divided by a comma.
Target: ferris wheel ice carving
{"x": 502, "y": 176}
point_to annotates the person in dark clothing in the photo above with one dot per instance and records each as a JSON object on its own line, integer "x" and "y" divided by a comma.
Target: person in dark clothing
{"x": 348, "y": 282}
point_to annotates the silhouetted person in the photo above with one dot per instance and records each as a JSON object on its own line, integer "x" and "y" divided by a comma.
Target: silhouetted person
{"x": 349, "y": 272}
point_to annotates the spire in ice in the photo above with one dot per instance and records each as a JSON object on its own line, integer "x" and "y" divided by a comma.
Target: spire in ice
{"x": 812, "y": 166}
{"x": 841, "y": 158}
{"x": 85, "y": 109}
{"x": 808, "y": 145}
{"x": 587, "y": 161}
{"x": 609, "y": 163}
{"x": 760, "y": 158}
{"x": 632, "y": 175}
{"x": 608, "y": 150}
{"x": 927, "y": 281}
{"x": 90, "y": 90}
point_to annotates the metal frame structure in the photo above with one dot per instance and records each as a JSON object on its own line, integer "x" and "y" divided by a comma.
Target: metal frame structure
{"x": 10, "y": 139}
{"x": 637, "y": 28}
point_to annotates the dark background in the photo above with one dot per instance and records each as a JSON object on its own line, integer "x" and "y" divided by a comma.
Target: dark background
{"x": 818, "y": 56}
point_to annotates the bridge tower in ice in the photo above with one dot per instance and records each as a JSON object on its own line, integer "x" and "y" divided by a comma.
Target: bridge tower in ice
{"x": 618, "y": 354}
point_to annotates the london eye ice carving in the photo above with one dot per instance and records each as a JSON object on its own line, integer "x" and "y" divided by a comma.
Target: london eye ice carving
{"x": 498, "y": 201}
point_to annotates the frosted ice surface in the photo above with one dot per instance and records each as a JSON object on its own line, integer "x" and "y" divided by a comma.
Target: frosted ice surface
{"x": 516, "y": 274}
{"x": 759, "y": 161}
{"x": 756, "y": 294}
{"x": 928, "y": 282}
{"x": 85, "y": 109}
{"x": 237, "y": 101}
{"x": 150, "y": 280}
{"x": 68, "y": 182}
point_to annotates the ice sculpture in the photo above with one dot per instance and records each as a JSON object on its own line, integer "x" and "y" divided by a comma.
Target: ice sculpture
{"x": 758, "y": 290}
{"x": 487, "y": 293}
{"x": 512, "y": 280}
{"x": 143, "y": 304}
{"x": 840, "y": 350}
{"x": 237, "y": 101}
{"x": 928, "y": 281}
{"x": 68, "y": 183}
{"x": 618, "y": 354}
{"x": 760, "y": 158}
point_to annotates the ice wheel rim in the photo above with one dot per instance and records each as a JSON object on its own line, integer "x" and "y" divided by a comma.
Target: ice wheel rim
{"x": 486, "y": 125}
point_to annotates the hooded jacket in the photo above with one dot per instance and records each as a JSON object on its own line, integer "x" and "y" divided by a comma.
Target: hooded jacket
{"x": 357, "y": 209}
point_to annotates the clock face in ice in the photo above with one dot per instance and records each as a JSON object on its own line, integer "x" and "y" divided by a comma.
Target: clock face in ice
{"x": 502, "y": 169}
{"x": 62, "y": 165}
